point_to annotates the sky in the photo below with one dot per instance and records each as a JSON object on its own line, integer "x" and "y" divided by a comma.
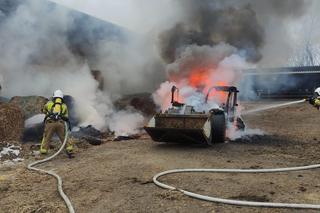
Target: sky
{"x": 109, "y": 10}
{"x": 130, "y": 14}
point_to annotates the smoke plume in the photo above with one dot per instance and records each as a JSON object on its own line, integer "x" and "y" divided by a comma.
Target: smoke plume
{"x": 192, "y": 44}
{"x": 204, "y": 49}
{"x": 44, "y": 47}
{"x": 209, "y": 32}
{"x": 214, "y": 41}
{"x": 210, "y": 25}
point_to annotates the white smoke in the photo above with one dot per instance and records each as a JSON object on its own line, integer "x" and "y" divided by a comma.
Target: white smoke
{"x": 1, "y": 82}
{"x": 36, "y": 60}
{"x": 233, "y": 134}
{"x": 129, "y": 67}
{"x": 34, "y": 120}
{"x": 35, "y": 56}
{"x": 125, "y": 123}
{"x": 223, "y": 64}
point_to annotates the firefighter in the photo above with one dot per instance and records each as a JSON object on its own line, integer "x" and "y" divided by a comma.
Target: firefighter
{"x": 315, "y": 99}
{"x": 56, "y": 116}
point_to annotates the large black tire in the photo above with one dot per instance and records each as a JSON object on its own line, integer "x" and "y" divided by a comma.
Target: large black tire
{"x": 218, "y": 128}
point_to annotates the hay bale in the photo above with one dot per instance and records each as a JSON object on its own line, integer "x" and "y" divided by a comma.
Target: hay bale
{"x": 30, "y": 105}
{"x": 11, "y": 122}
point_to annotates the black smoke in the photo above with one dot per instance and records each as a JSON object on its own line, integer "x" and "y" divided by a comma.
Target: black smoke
{"x": 241, "y": 24}
{"x": 210, "y": 25}
{"x": 281, "y": 8}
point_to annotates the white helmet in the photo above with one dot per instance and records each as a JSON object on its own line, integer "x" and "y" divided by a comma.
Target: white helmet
{"x": 317, "y": 91}
{"x": 58, "y": 94}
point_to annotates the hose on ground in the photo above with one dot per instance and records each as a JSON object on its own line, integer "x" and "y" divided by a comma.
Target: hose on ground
{"x": 238, "y": 202}
{"x": 31, "y": 166}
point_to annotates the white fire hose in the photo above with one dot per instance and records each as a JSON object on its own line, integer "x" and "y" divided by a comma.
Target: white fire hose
{"x": 240, "y": 202}
{"x": 60, "y": 189}
{"x": 237, "y": 202}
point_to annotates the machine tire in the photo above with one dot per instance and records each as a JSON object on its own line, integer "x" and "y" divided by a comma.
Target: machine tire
{"x": 218, "y": 128}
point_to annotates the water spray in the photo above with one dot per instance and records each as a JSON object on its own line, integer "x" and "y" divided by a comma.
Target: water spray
{"x": 272, "y": 107}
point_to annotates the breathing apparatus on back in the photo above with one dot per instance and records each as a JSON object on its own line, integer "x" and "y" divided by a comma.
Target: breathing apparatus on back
{"x": 56, "y": 110}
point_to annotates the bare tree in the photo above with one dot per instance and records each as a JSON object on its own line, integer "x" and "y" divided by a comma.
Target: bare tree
{"x": 307, "y": 53}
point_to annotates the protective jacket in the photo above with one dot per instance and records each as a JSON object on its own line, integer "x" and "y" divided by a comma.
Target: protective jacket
{"x": 315, "y": 101}
{"x": 56, "y": 115}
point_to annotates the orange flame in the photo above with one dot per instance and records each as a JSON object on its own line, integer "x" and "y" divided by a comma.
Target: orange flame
{"x": 202, "y": 79}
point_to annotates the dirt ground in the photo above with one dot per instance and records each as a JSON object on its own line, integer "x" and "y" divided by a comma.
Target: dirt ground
{"x": 117, "y": 176}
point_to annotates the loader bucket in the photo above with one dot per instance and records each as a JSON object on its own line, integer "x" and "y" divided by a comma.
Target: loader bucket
{"x": 185, "y": 129}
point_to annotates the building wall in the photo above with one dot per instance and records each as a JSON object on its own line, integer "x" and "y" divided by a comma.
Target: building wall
{"x": 291, "y": 82}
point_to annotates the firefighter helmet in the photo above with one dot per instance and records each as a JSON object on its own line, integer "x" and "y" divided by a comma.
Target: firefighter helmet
{"x": 58, "y": 94}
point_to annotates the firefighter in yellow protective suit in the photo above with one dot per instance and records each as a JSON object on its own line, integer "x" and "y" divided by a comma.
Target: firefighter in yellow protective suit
{"x": 315, "y": 99}
{"x": 56, "y": 115}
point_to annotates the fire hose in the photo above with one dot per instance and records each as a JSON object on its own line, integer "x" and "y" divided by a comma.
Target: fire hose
{"x": 240, "y": 202}
{"x": 237, "y": 202}
{"x": 31, "y": 166}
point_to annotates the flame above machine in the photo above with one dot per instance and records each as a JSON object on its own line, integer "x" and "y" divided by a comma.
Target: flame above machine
{"x": 181, "y": 123}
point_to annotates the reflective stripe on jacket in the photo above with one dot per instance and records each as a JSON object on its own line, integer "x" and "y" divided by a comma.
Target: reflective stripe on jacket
{"x": 317, "y": 102}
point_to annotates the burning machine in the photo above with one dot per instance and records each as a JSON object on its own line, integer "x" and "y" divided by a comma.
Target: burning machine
{"x": 182, "y": 124}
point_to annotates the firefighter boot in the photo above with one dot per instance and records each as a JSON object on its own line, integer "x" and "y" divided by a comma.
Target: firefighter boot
{"x": 69, "y": 151}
